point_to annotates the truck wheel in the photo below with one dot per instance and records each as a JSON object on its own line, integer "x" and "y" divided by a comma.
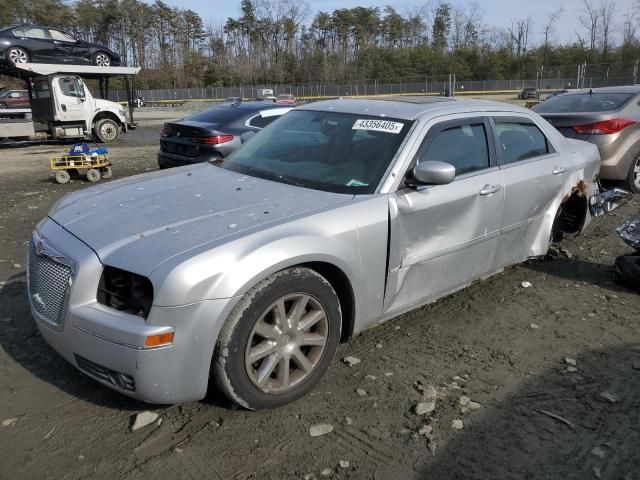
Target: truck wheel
{"x": 62, "y": 176}
{"x": 102, "y": 59}
{"x": 279, "y": 340}
{"x": 106, "y": 130}
{"x": 17, "y": 55}
{"x": 93, "y": 175}
{"x": 106, "y": 173}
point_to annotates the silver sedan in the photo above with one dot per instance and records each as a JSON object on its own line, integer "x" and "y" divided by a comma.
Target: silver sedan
{"x": 337, "y": 216}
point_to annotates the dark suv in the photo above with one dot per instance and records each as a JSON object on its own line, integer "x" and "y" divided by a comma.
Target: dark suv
{"x": 214, "y": 134}
{"x": 528, "y": 93}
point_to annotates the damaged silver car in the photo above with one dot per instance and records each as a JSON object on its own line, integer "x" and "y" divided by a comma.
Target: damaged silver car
{"x": 337, "y": 216}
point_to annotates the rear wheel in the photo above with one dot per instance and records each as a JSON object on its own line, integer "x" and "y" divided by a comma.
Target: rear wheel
{"x": 17, "y": 55}
{"x": 633, "y": 179}
{"x": 62, "y": 176}
{"x": 107, "y": 130}
{"x": 279, "y": 340}
{"x": 102, "y": 59}
{"x": 93, "y": 175}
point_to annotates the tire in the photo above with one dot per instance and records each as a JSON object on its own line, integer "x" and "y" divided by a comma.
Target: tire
{"x": 106, "y": 130}
{"x": 106, "y": 173}
{"x": 627, "y": 270}
{"x": 93, "y": 175}
{"x": 3, "y": 106}
{"x": 633, "y": 178}
{"x": 102, "y": 59}
{"x": 62, "y": 177}
{"x": 250, "y": 384}
{"x": 17, "y": 55}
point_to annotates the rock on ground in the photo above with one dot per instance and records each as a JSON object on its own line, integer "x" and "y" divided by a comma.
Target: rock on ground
{"x": 143, "y": 419}
{"x": 424, "y": 408}
{"x": 320, "y": 429}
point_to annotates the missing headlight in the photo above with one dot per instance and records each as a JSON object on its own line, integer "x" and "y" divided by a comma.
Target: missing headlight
{"x": 125, "y": 291}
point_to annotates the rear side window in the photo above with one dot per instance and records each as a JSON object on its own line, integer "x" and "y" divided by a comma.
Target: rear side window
{"x": 463, "y": 146}
{"x": 520, "y": 141}
{"x": 261, "y": 122}
{"x": 58, "y": 35}
{"x": 219, "y": 115}
{"x": 584, "y": 102}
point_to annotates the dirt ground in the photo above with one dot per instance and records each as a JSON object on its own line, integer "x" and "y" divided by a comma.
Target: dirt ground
{"x": 505, "y": 351}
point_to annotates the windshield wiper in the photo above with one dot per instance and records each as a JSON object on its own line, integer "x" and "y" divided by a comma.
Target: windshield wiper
{"x": 290, "y": 181}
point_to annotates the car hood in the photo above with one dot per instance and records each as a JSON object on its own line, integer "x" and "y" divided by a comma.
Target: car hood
{"x": 139, "y": 222}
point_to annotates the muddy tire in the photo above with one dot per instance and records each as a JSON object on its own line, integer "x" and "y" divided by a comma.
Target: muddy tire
{"x": 279, "y": 340}
{"x": 62, "y": 177}
{"x": 106, "y": 130}
{"x": 93, "y": 175}
{"x": 106, "y": 173}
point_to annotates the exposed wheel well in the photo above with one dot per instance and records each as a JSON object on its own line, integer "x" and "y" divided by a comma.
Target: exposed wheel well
{"x": 341, "y": 284}
{"x": 109, "y": 115}
{"x": 572, "y": 214}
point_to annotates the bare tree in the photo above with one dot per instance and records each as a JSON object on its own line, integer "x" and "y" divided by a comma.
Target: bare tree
{"x": 607, "y": 9}
{"x": 549, "y": 30}
{"x": 590, "y": 20}
{"x": 629, "y": 27}
{"x": 519, "y": 32}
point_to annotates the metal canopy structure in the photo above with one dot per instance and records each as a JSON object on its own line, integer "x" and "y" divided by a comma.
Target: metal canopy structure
{"x": 26, "y": 71}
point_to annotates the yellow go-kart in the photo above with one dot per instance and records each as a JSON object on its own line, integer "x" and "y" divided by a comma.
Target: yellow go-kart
{"x": 94, "y": 164}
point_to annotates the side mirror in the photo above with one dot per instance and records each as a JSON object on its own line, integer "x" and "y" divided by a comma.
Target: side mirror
{"x": 433, "y": 173}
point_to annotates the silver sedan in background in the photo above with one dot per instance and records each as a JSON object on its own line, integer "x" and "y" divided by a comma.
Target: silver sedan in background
{"x": 335, "y": 217}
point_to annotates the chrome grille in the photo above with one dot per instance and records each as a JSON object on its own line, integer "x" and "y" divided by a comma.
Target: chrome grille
{"x": 49, "y": 282}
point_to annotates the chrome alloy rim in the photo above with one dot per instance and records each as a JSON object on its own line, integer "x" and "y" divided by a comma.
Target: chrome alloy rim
{"x": 18, "y": 56}
{"x": 108, "y": 131}
{"x": 103, "y": 60}
{"x": 286, "y": 343}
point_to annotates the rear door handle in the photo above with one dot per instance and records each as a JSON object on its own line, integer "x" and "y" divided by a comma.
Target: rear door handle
{"x": 559, "y": 170}
{"x": 489, "y": 189}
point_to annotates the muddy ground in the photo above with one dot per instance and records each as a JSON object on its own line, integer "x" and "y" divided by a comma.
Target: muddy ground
{"x": 497, "y": 343}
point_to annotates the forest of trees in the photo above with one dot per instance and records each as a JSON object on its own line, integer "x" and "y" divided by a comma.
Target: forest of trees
{"x": 272, "y": 41}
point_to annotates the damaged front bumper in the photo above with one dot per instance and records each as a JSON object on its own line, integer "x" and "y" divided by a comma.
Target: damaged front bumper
{"x": 608, "y": 200}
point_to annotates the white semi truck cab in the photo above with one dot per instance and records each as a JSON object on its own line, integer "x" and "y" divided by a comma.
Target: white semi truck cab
{"x": 62, "y": 105}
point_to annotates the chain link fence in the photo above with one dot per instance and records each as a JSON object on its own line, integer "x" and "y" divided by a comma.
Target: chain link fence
{"x": 592, "y": 76}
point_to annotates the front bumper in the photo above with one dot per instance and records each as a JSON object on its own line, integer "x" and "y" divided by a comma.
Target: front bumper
{"x": 109, "y": 345}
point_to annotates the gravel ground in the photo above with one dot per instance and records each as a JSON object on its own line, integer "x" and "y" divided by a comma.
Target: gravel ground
{"x": 535, "y": 383}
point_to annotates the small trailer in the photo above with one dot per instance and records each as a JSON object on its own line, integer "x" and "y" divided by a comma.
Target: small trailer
{"x": 62, "y": 107}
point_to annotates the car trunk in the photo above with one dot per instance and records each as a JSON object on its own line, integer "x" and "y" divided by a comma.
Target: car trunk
{"x": 178, "y": 139}
{"x": 565, "y": 122}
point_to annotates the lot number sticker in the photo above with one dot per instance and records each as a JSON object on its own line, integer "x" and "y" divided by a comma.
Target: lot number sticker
{"x": 378, "y": 126}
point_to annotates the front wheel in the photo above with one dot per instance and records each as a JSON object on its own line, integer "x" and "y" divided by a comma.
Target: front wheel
{"x": 106, "y": 173}
{"x": 93, "y": 175}
{"x": 279, "y": 340}
{"x": 17, "y": 55}
{"x": 107, "y": 130}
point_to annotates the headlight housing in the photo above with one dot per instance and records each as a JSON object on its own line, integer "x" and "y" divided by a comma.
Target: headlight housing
{"x": 125, "y": 291}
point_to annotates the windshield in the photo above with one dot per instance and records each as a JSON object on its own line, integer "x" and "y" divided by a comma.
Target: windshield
{"x": 583, "y": 102}
{"x": 329, "y": 151}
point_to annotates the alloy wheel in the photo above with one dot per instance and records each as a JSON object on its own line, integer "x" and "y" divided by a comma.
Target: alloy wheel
{"x": 103, "y": 60}
{"x": 17, "y": 55}
{"x": 286, "y": 343}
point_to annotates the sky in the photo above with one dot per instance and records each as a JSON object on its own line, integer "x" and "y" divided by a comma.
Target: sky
{"x": 498, "y": 13}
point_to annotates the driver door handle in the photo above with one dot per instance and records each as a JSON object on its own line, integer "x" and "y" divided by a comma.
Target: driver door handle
{"x": 489, "y": 189}
{"x": 558, "y": 170}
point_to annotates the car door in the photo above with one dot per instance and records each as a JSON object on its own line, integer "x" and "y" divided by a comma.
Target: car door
{"x": 65, "y": 47}
{"x": 442, "y": 237}
{"x": 534, "y": 175}
{"x": 71, "y": 102}
{"x": 37, "y": 41}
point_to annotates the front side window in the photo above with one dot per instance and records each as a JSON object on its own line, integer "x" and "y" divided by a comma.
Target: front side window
{"x": 32, "y": 32}
{"x": 58, "y": 35}
{"x": 71, "y": 87}
{"x": 335, "y": 152}
{"x": 520, "y": 141}
{"x": 463, "y": 146}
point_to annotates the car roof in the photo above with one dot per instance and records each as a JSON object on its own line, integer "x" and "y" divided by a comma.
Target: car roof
{"x": 409, "y": 107}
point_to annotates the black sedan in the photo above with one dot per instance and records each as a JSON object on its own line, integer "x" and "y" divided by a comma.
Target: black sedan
{"x": 214, "y": 134}
{"x": 30, "y": 43}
